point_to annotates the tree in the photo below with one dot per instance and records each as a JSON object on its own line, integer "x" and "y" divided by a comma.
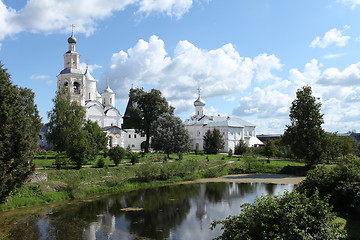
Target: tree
{"x": 67, "y": 132}
{"x": 117, "y": 153}
{"x": 241, "y": 148}
{"x": 169, "y": 135}
{"x": 96, "y": 136}
{"x": 270, "y": 149}
{"x": 305, "y": 135}
{"x": 19, "y": 130}
{"x": 213, "y": 141}
{"x": 290, "y": 216}
{"x": 146, "y": 108}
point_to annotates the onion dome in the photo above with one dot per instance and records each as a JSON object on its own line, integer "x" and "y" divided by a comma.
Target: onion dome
{"x": 199, "y": 102}
{"x": 72, "y": 39}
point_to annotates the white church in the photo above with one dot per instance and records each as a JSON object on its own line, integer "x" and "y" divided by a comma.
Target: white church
{"x": 101, "y": 108}
{"x": 232, "y": 129}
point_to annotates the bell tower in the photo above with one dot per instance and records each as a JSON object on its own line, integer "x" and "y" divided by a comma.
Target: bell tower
{"x": 71, "y": 76}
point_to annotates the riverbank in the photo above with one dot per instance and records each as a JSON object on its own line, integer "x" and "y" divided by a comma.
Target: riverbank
{"x": 252, "y": 178}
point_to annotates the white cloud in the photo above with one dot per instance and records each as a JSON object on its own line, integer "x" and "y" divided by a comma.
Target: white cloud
{"x": 332, "y": 56}
{"x": 353, "y": 3}
{"x": 265, "y": 102}
{"x": 264, "y": 64}
{"x": 310, "y": 75}
{"x": 219, "y": 72}
{"x": 348, "y": 77}
{"x": 39, "y": 77}
{"x": 333, "y": 36}
{"x": 49, "y": 16}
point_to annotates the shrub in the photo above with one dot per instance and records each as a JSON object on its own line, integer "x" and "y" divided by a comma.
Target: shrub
{"x": 241, "y": 148}
{"x": 290, "y": 216}
{"x": 100, "y": 163}
{"x": 341, "y": 183}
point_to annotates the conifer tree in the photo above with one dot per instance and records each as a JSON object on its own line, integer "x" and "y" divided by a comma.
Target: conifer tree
{"x": 213, "y": 141}
{"x": 19, "y": 130}
{"x": 305, "y": 134}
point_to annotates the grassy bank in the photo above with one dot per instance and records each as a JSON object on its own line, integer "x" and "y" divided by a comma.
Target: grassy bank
{"x": 150, "y": 171}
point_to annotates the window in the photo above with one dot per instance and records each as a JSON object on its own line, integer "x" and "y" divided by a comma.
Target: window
{"x": 134, "y": 135}
{"x": 76, "y": 88}
{"x": 89, "y": 95}
{"x": 66, "y": 84}
{"x": 110, "y": 100}
{"x": 129, "y": 135}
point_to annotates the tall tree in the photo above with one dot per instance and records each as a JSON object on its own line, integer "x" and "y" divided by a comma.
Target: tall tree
{"x": 66, "y": 130}
{"x": 146, "y": 108}
{"x": 169, "y": 135}
{"x": 96, "y": 135}
{"x": 213, "y": 141}
{"x": 19, "y": 130}
{"x": 305, "y": 134}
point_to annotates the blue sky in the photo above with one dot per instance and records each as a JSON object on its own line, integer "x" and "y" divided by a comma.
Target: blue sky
{"x": 248, "y": 57}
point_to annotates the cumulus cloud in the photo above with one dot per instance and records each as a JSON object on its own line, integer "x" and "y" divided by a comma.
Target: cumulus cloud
{"x": 48, "y": 16}
{"x": 348, "y": 77}
{"x": 264, "y": 103}
{"x": 333, "y": 36}
{"x": 219, "y": 72}
{"x": 353, "y": 3}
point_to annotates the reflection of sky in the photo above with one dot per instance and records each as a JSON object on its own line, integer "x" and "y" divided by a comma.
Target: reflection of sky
{"x": 229, "y": 205}
{"x": 43, "y": 225}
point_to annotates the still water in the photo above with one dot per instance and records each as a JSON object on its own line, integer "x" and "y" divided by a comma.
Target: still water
{"x": 171, "y": 212}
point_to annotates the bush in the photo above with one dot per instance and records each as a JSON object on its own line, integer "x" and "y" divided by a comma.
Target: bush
{"x": 134, "y": 158}
{"x": 100, "y": 163}
{"x": 116, "y": 154}
{"x": 341, "y": 183}
{"x": 241, "y": 148}
{"x": 290, "y": 216}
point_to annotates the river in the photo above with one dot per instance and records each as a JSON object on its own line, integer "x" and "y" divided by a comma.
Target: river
{"x": 174, "y": 212}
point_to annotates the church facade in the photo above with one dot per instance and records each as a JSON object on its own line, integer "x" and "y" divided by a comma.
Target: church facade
{"x": 99, "y": 108}
{"x": 232, "y": 129}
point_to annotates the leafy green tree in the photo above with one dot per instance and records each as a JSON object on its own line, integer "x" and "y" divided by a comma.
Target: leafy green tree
{"x": 96, "y": 137}
{"x": 19, "y": 130}
{"x": 169, "y": 135}
{"x": 241, "y": 148}
{"x": 213, "y": 141}
{"x": 347, "y": 145}
{"x": 146, "y": 108}
{"x": 67, "y": 131}
{"x": 116, "y": 154}
{"x": 270, "y": 149}
{"x": 332, "y": 149}
{"x": 305, "y": 134}
{"x": 290, "y": 216}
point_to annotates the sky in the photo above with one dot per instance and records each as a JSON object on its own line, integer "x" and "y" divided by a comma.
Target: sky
{"x": 247, "y": 57}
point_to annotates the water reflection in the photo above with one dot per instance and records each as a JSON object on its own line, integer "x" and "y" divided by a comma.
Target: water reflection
{"x": 172, "y": 212}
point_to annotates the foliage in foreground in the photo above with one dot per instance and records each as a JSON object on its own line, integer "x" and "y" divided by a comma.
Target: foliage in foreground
{"x": 290, "y": 216}
{"x": 341, "y": 183}
{"x": 19, "y": 128}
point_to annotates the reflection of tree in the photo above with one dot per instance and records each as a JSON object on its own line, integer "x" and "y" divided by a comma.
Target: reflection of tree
{"x": 26, "y": 230}
{"x": 270, "y": 188}
{"x": 246, "y": 188}
{"x": 215, "y": 191}
{"x": 164, "y": 209}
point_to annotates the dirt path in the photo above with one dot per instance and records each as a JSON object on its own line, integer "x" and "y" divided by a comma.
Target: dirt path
{"x": 253, "y": 178}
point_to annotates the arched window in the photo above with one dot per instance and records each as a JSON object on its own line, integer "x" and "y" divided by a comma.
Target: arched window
{"x": 76, "y": 88}
{"x": 66, "y": 84}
